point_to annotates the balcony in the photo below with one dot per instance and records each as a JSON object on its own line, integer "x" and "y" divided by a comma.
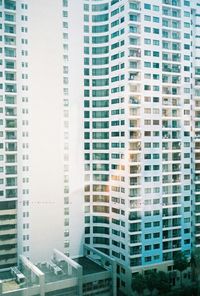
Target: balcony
{"x": 166, "y": 124}
{"x": 134, "y": 135}
{"x": 11, "y": 182}
{"x": 10, "y": 76}
{"x": 135, "y": 204}
{"x": 135, "y": 250}
{"x": 135, "y": 88}
{"x": 134, "y": 100}
{"x": 134, "y": 112}
{"x": 135, "y": 76}
{"x": 134, "y": 181}
{"x": 166, "y": 135}
{"x": 10, "y": 111}
{"x": 176, "y": 168}
{"x": 134, "y": 216}
{"x": 176, "y": 135}
{"x": 170, "y": 91}
{"x": 11, "y": 147}
{"x": 134, "y": 41}
{"x": 135, "y": 17}
{"x": 134, "y": 123}
{"x": 176, "y": 80}
{"x": 11, "y": 123}
{"x": 10, "y": 88}
{"x": 135, "y": 146}
{"x": 10, "y": 65}
{"x": 135, "y": 53}
{"x": 10, "y": 5}
{"x": 135, "y": 240}
{"x": 135, "y": 169}
{"x": 134, "y": 29}
{"x": 135, "y": 158}
{"x": 135, "y": 5}
{"x": 136, "y": 227}
{"x": 10, "y": 40}
{"x": 171, "y": 2}
{"x": 10, "y": 52}
{"x": 11, "y": 170}
{"x": 11, "y": 135}
{"x": 135, "y": 65}
{"x": 11, "y": 158}
{"x": 176, "y": 145}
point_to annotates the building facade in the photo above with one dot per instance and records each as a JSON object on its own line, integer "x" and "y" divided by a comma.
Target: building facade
{"x": 14, "y": 126}
{"x": 140, "y": 119}
{"x": 38, "y": 139}
{"x": 89, "y": 275}
{"x": 99, "y": 130}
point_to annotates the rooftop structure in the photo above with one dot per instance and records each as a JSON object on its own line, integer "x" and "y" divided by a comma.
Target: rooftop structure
{"x": 61, "y": 275}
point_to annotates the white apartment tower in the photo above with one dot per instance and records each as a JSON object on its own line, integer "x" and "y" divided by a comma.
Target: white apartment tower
{"x": 56, "y": 217}
{"x": 38, "y": 144}
{"x": 14, "y": 175}
{"x": 195, "y": 121}
{"x": 141, "y": 115}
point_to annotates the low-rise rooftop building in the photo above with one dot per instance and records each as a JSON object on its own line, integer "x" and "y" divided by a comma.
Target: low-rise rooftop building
{"x": 90, "y": 275}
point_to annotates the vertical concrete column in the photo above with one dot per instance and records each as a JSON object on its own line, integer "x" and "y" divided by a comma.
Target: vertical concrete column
{"x": 42, "y": 284}
{"x": 114, "y": 278}
{"x": 80, "y": 280}
{"x": 1, "y": 288}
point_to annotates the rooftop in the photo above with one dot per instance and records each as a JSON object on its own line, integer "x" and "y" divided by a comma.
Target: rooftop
{"x": 58, "y": 268}
{"x": 89, "y": 266}
{"x": 55, "y": 272}
{"x": 5, "y": 275}
{"x": 9, "y": 284}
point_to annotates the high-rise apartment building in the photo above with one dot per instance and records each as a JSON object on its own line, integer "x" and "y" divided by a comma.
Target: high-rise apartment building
{"x": 39, "y": 147}
{"x": 14, "y": 126}
{"x": 195, "y": 120}
{"x": 140, "y": 116}
{"x": 123, "y": 78}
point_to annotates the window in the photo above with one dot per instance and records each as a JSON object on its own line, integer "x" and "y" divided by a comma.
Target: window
{"x": 147, "y": 18}
{"x": 147, "y": 64}
{"x": 147, "y": 6}
{"x": 147, "y": 53}
{"x": 100, "y": 7}
{"x": 147, "y": 41}
{"x": 11, "y": 5}
{"x": 100, "y": 18}
{"x": 156, "y": 53}
{"x": 156, "y": 65}
{"x": 147, "y": 29}
{"x": 156, "y": 42}
{"x": 155, "y": 8}
{"x": 156, "y": 20}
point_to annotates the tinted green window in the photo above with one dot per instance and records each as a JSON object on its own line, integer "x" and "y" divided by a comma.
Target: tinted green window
{"x": 100, "y": 50}
{"x": 99, "y": 103}
{"x": 100, "y": 18}
{"x": 100, "y": 93}
{"x": 99, "y": 72}
{"x": 100, "y": 146}
{"x": 100, "y": 114}
{"x": 101, "y": 39}
{"x": 100, "y": 61}
{"x": 147, "y": 6}
{"x": 100, "y": 29}
{"x": 100, "y": 124}
{"x": 100, "y": 7}
{"x": 100, "y": 82}
{"x": 100, "y": 135}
